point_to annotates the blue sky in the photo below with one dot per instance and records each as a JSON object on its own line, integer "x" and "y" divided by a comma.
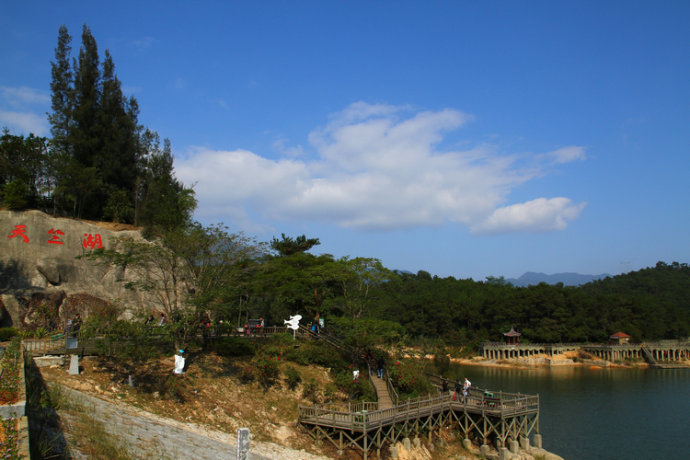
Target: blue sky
{"x": 467, "y": 139}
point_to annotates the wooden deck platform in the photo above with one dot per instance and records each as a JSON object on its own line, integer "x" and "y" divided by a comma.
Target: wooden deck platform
{"x": 486, "y": 416}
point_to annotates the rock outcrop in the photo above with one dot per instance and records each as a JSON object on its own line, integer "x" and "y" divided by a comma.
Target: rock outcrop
{"x": 42, "y": 280}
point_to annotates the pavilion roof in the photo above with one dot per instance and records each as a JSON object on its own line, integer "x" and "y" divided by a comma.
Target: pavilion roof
{"x": 512, "y": 333}
{"x": 620, "y": 335}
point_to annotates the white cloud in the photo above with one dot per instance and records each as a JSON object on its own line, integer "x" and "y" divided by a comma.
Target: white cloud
{"x": 24, "y": 123}
{"x": 21, "y": 95}
{"x": 375, "y": 168}
{"x": 17, "y": 110}
{"x": 567, "y": 154}
{"x": 537, "y": 215}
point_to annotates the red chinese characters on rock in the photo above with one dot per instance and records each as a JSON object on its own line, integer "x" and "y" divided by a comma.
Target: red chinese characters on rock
{"x": 56, "y": 234}
{"x": 19, "y": 230}
{"x": 92, "y": 241}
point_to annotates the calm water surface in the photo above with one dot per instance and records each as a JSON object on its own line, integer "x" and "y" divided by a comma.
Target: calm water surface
{"x": 603, "y": 414}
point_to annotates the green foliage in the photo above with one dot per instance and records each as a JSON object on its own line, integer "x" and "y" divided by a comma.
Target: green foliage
{"x": 266, "y": 369}
{"x": 357, "y": 280}
{"x": 15, "y": 195}
{"x": 316, "y": 353}
{"x": 163, "y": 202}
{"x": 408, "y": 377}
{"x": 311, "y": 391}
{"x": 6, "y": 333}
{"x": 288, "y": 246}
{"x": 357, "y": 390}
{"x": 292, "y": 377}
{"x": 300, "y": 282}
{"x": 650, "y": 304}
{"x": 119, "y": 207}
{"x": 102, "y": 163}
{"x": 10, "y": 369}
{"x": 52, "y": 397}
{"x": 23, "y": 170}
{"x": 369, "y": 332}
{"x": 230, "y": 347}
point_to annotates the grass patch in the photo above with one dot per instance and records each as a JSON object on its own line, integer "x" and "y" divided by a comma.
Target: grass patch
{"x": 91, "y": 439}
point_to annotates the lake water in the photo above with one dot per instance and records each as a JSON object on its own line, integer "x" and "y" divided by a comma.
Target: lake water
{"x": 585, "y": 414}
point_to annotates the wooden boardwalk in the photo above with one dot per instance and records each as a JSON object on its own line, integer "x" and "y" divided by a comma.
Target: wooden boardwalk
{"x": 489, "y": 417}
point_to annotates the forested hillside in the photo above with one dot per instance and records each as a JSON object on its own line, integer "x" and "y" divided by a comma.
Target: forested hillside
{"x": 649, "y": 304}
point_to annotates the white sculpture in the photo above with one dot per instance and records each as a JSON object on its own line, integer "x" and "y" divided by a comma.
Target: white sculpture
{"x": 179, "y": 363}
{"x": 293, "y": 322}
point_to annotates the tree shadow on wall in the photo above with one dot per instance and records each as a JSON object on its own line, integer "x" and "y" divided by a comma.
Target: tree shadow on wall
{"x": 47, "y": 439}
{"x": 11, "y": 279}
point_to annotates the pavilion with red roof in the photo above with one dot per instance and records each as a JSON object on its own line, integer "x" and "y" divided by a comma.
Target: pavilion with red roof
{"x": 620, "y": 338}
{"x": 512, "y": 336}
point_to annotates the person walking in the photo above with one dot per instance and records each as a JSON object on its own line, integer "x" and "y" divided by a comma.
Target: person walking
{"x": 458, "y": 389}
{"x": 76, "y": 325}
{"x": 466, "y": 389}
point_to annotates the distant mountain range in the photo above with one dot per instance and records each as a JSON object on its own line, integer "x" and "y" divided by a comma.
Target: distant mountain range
{"x": 568, "y": 279}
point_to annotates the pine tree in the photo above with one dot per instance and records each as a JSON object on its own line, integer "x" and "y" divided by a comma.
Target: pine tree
{"x": 62, "y": 91}
{"x": 117, "y": 158}
{"x": 104, "y": 164}
{"x": 166, "y": 202}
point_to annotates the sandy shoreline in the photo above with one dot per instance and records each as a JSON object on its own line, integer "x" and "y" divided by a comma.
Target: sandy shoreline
{"x": 569, "y": 359}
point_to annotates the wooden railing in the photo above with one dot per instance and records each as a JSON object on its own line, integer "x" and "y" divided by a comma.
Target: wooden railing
{"x": 391, "y": 389}
{"x": 363, "y": 415}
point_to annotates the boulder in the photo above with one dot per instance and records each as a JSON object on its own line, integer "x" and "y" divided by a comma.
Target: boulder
{"x": 43, "y": 279}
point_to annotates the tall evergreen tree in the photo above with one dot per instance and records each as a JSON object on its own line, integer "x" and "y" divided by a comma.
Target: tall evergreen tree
{"x": 104, "y": 164}
{"x": 117, "y": 157}
{"x": 62, "y": 91}
{"x": 87, "y": 90}
{"x": 165, "y": 202}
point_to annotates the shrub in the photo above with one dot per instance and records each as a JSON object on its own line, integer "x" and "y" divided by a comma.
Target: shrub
{"x": 311, "y": 391}
{"x": 358, "y": 390}
{"x": 330, "y": 391}
{"x": 267, "y": 369}
{"x": 316, "y": 353}
{"x": 293, "y": 377}
{"x": 6, "y": 333}
{"x": 231, "y": 347}
{"x": 283, "y": 340}
{"x": 408, "y": 378}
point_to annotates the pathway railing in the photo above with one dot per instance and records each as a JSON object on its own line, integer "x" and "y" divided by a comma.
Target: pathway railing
{"x": 363, "y": 415}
